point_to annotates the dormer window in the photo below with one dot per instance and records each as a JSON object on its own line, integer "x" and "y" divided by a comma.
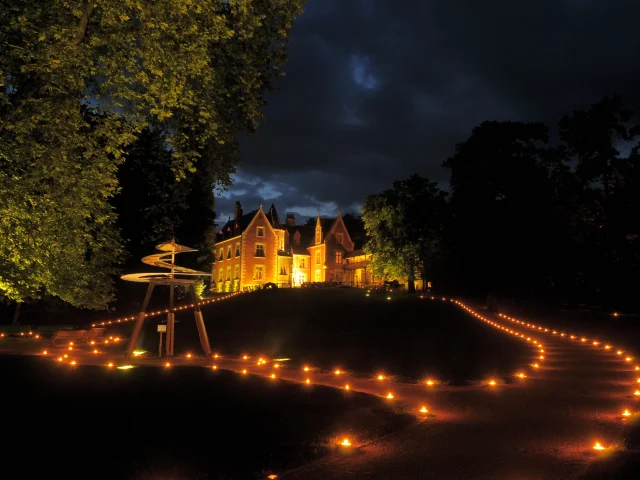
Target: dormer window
{"x": 260, "y": 232}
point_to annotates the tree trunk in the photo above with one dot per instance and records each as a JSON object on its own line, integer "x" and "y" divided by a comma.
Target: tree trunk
{"x": 16, "y": 314}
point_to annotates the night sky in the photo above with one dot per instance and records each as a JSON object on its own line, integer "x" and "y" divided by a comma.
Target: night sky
{"x": 377, "y": 90}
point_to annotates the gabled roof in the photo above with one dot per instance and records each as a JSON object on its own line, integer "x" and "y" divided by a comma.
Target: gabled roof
{"x": 233, "y": 228}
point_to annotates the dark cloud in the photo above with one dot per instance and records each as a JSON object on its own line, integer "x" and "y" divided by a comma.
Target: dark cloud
{"x": 377, "y": 90}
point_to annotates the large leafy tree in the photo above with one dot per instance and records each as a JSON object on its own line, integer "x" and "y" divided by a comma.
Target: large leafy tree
{"x": 80, "y": 80}
{"x": 405, "y": 227}
{"x": 501, "y": 201}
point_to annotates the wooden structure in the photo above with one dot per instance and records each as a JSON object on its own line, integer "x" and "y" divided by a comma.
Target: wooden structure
{"x": 170, "y": 279}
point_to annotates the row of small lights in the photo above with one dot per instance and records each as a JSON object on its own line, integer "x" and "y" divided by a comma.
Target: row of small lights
{"x": 587, "y": 343}
{"x": 346, "y": 442}
{"x": 160, "y": 312}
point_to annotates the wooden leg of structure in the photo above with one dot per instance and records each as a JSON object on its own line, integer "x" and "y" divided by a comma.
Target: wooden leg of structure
{"x": 133, "y": 342}
{"x": 170, "y": 334}
{"x": 202, "y": 331}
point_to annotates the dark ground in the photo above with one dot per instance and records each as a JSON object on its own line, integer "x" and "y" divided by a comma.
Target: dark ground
{"x": 178, "y": 424}
{"x": 328, "y": 328}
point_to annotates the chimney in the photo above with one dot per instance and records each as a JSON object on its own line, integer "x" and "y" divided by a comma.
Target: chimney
{"x": 291, "y": 219}
{"x": 237, "y": 211}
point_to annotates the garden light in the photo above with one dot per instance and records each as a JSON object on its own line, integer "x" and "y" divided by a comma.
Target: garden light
{"x": 307, "y": 381}
{"x": 346, "y": 387}
{"x": 597, "y": 446}
{"x": 389, "y": 395}
{"x": 626, "y": 413}
{"x": 345, "y": 442}
{"x": 424, "y": 410}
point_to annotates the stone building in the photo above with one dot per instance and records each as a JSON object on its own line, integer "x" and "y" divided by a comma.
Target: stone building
{"x": 257, "y": 248}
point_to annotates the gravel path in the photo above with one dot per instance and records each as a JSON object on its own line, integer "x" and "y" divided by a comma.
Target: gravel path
{"x": 541, "y": 427}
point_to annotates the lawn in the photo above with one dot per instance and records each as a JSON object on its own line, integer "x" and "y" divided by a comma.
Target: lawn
{"x": 412, "y": 338}
{"x": 184, "y": 423}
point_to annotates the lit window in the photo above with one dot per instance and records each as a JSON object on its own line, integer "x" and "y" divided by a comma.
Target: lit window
{"x": 339, "y": 238}
{"x": 258, "y": 272}
{"x": 237, "y": 249}
{"x": 338, "y": 257}
{"x": 318, "y": 257}
{"x": 221, "y": 254}
{"x": 283, "y": 270}
{"x": 228, "y": 252}
{"x": 260, "y": 232}
{"x": 302, "y": 263}
{"x": 237, "y": 272}
{"x": 228, "y": 273}
{"x": 260, "y": 250}
{"x": 221, "y": 274}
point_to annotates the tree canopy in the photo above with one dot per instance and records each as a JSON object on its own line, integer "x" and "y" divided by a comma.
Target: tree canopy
{"x": 80, "y": 81}
{"x": 405, "y": 226}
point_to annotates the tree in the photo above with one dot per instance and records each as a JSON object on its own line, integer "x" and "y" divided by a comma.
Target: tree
{"x": 80, "y": 81}
{"x": 501, "y": 191}
{"x": 405, "y": 227}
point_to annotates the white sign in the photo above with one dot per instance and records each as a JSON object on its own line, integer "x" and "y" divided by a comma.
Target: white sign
{"x": 162, "y": 328}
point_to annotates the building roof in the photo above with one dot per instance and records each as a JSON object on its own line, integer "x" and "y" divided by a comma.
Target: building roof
{"x": 233, "y": 228}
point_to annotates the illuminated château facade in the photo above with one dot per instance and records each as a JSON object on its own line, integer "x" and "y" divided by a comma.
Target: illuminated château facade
{"x": 256, "y": 248}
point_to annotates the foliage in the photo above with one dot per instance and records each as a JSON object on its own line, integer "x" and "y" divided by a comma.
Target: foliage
{"x": 405, "y": 227}
{"x": 80, "y": 81}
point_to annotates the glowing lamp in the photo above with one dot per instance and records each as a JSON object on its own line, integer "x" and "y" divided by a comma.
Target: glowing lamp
{"x": 277, "y": 365}
{"x": 44, "y": 352}
{"x": 70, "y": 348}
{"x": 388, "y": 298}
{"x": 188, "y": 355}
{"x": 424, "y": 410}
{"x": 522, "y": 375}
{"x": 70, "y": 343}
{"x": 607, "y": 347}
{"x": 59, "y": 359}
{"x": 306, "y": 369}
{"x": 110, "y": 365}
{"x": 307, "y": 381}
{"x": 215, "y": 367}
{"x": 619, "y": 352}
{"x": 389, "y": 395}
{"x": 595, "y": 343}
{"x": 615, "y": 314}
{"x": 492, "y": 382}
{"x": 597, "y": 446}
{"x": 345, "y": 442}
{"x": 583, "y": 339}
{"x": 430, "y": 383}
{"x": 65, "y": 355}
{"x": 541, "y": 357}
{"x": 337, "y": 372}
{"x": 272, "y": 476}
{"x": 347, "y": 387}
{"x": 637, "y": 393}
{"x": 244, "y": 357}
{"x": 167, "y": 365}
{"x": 73, "y": 362}
{"x": 535, "y": 365}
{"x": 628, "y": 359}
{"x": 215, "y": 355}
{"x": 380, "y": 377}
{"x": 37, "y": 336}
{"x": 626, "y": 413}
{"x": 273, "y": 375}
{"x": 92, "y": 342}
{"x": 244, "y": 372}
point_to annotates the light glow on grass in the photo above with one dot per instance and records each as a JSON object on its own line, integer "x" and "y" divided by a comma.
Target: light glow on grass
{"x": 125, "y": 367}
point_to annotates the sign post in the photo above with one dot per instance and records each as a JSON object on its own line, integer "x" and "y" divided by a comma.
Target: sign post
{"x": 161, "y": 329}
